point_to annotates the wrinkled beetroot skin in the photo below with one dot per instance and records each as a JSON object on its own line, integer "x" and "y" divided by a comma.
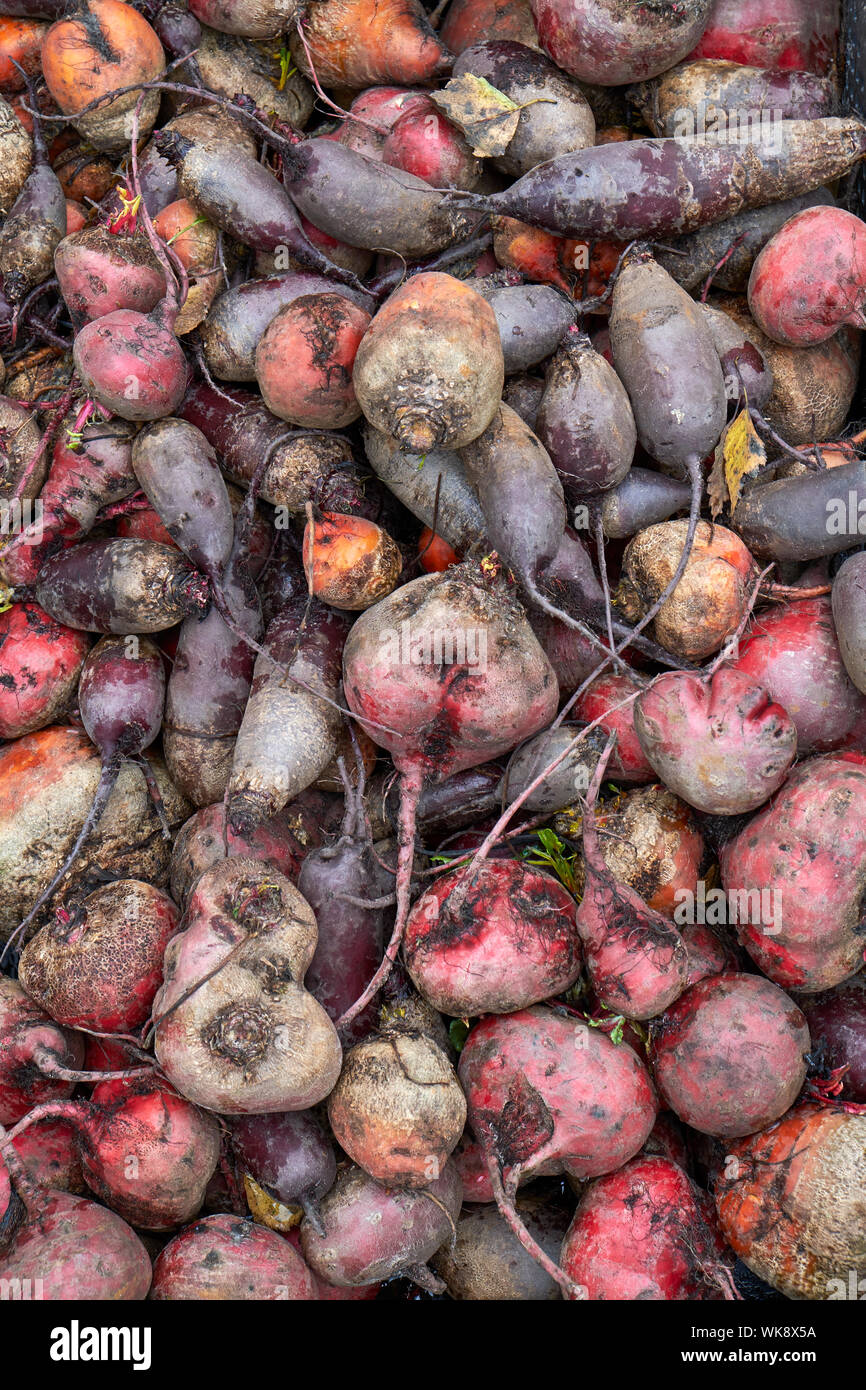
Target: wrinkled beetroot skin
{"x": 50, "y": 1155}
{"x": 550, "y": 1095}
{"x": 807, "y": 852}
{"x": 722, "y": 745}
{"x": 510, "y": 942}
{"x": 23, "y": 1029}
{"x": 79, "y": 1250}
{"x": 799, "y": 34}
{"x": 729, "y": 1056}
{"x": 628, "y": 761}
{"x": 837, "y": 1023}
{"x": 645, "y": 1233}
{"x": 793, "y": 652}
{"x": 226, "y": 1257}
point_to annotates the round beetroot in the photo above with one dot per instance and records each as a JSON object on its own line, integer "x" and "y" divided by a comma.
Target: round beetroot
{"x": 304, "y": 361}
{"x": 729, "y": 1055}
{"x": 810, "y": 278}
{"x": 628, "y": 761}
{"x": 837, "y": 1023}
{"x": 722, "y": 745}
{"x": 226, "y": 1257}
{"x": 78, "y": 1250}
{"x": 508, "y": 942}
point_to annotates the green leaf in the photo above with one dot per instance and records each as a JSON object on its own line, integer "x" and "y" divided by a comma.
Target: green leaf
{"x": 458, "y": 1032}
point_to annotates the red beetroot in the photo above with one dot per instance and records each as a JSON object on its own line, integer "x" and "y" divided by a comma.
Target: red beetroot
{"x": 493, "y": 940}
{"x": 810, "y": 278}
{"x": 40, "y": 661}
{"x": 425, "y": 143}
{"x": 50, "y": 1157}
{"x": 32, "y": 1047}
{"x": 729, "y": 1056}
{"x": 837, "y": 1023}
{"x": 78, "y": 1250}
{"x": 647, "y": 1232}
{"x": 628, "y": 762}
{"x": 100, "y": 271}
{"x": 799, "y": 34}
{"x": 793, "y": 652}
{"x": 226, "y": 1257}
{"x": 100, "y": 968}
{"x": 604, "y": 42}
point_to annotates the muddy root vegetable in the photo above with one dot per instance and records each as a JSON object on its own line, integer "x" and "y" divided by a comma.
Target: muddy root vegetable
{"x": 837, "y": 1024}
{"x": 120, "y": 586}
{"x": 628, "y": 762}
{"x": 432, "y": 486}
{"x": 809, "y": 279}
{"x": 351, "y": 45}
{"x": 790, "y": 34}
{"x": 671, "y": 103}
{"x": 304, "y": 361}
{"x": 99, "y": 271}
{"x": 636, "y": 960}
{"x": 487, "y": 1263}
{"x": 235, "y": 1030}
{"x": 560, "y": 787}
{"x": 228, "y": 1258}
{"x": 34, "y": 226}
{"x": 790, "y": 1202}
{"x": 352, "y": 562}
{"x": 802, "y": 857}
{"x": 16, "y": 147}
{"x": 510, "y": 940}
{"x": 47, "y": 782}
{"x": 745, "y": 1041}
{"x": 648, "y": 1233}
{"x": 372, "y": 1232}
{"x": 724, "y": 746}
{"x": 448, "y": 714}
{"x": 104, "y": 46}
{"x": 397, "y": 1109}
{"x": 20, "y": 438}
{"x": 707, "y": 604}
{"x": 77, "y": 1249}
{"x": 430, "y": 369}
{"x": 40, "y": 662}
{"x": 100, "y": 970}
{"x": 849, "y": 592}
{"x": 608, "y": 44}
{"x": 585, "y": 419}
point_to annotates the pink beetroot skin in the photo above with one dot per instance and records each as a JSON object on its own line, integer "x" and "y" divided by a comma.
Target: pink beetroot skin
{"x": 79, "y": 1251}
{"x": 647, "y": 1233}
{"x": 508, "y": 941}
{"x": 628, "y": 761}
{"x": 729, "y": 1056}
{"x": 40, "y": 661}
{"x": 810, "y": 278}
{"x": 722, "y": 745}
{"x": 806, "y": 852}
{"x": 800, "y": 34}
{"x": 26, "y": 1036}
{"x": 227, "y": 1258}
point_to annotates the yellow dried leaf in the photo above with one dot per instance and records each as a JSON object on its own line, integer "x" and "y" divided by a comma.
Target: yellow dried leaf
{"x": 268, "y": 1211}
{"x": 743, "y": 453}
{"x": 487, "y": 117}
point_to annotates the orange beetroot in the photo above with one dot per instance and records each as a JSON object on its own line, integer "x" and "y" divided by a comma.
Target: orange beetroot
{"x": 360, "y": 43}
{"x": 304, "y": 361}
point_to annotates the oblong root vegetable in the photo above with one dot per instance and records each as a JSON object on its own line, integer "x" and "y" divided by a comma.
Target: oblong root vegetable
{"x": 585, "y": 419}
{"x": 790, "y": 1203}
{"x": 722, "y": 745}
{"x": 485, "y": 1261}
{"x": 397, "y": 1109}
{"x": 122, "y": 586}
{"x": 603, "y": 42}
{"x": 506, "y": 941}
{"x": 228, "y": 1258}
{"x": 430, "y": 370}
{"x": 804, "y": 852}
{"x": 729, "y": 1057}
{"x": 235, "y": 1030}
{"x": 77, "y": 1249}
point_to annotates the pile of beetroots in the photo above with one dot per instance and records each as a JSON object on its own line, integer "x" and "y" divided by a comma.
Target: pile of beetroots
{"x": 432, "y": 650}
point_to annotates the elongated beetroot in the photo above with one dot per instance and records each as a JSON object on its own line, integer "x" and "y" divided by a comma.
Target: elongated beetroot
{"x": 722, "y": 745}
{"x": 507, "y": 941}
{"x": 100, "y": 968}
{"x": 729, "y": 1055}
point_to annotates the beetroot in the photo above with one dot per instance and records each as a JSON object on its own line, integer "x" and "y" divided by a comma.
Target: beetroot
{"x": 40, "y": 661}
{"x": 236, "y": 1031}
{"x": 32, "y": 1046}
{"x": 729, "y": 1056}
{"x": 100, "y": 967}
{"x": 492, "y": 940}
{"x": 809, "y": 279}
{"x": 837, "y": 1023}
{"x": 397, "y": 1109}
{"x": 225, "y": 1257}
{"x": 805, "y": 852}
{"x": 100, "y": 271}
{"x": 290, "y": 1155}
{"x": 722, "y": 745}
{"x": 628, "y": 762}
{"x": 78, "y": 1250}
{"x": 607, "y": 43}
{"x": 648, "y": 1233}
